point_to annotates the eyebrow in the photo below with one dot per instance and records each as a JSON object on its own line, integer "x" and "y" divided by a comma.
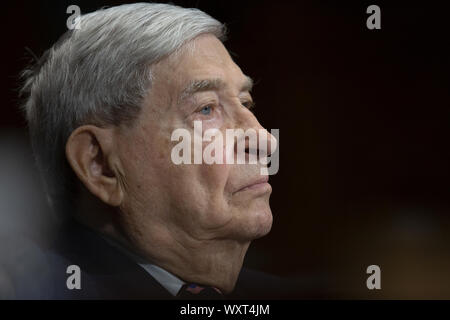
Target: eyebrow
{"x": 211, "y": 84}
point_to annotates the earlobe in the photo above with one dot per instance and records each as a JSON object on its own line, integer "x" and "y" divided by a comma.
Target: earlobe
{"x": 89, "y": 151}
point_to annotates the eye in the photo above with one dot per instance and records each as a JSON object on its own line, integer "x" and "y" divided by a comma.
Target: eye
{"x": 248, "y": 104}
{"x": 206, "y": 110}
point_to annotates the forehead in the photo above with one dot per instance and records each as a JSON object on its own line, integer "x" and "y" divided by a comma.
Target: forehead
{"x": 203, "y": 58}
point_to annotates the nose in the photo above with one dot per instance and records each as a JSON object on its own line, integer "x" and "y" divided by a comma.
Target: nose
{"x": 266, "y": 143}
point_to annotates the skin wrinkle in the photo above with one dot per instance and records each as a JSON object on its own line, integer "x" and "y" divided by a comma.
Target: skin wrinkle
{"x": 184, "y": 246}
{"x": 210, "y": 84}
{"x": 206, "y": 228}
{"x": 189, "y": 219}
{"x": 122, "y": 179}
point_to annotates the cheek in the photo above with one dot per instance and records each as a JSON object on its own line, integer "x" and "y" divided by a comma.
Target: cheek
{"x": 145, "y": 158}
{"x": 150, "y": 160}
{"x": 191, "y": 195}
{"x": 211, "y": 201}
{"x": 188, "y": 195}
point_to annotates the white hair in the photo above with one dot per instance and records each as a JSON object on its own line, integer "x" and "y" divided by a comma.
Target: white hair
{"x": 100, "y": 74}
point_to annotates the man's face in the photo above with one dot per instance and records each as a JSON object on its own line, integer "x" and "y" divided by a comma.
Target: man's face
{"x": 192, "y": 202}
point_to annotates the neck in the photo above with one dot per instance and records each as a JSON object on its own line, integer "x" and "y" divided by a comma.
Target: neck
{"x": 215, "y": 263}
{"x": 212, "y": 262}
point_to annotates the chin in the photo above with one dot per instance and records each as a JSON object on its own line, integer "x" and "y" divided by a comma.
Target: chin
{"x": 259, "y": 224}
{"x": 264, "y": 225}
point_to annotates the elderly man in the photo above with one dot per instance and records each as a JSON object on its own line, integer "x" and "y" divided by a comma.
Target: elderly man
{"x": 102, "y": 105}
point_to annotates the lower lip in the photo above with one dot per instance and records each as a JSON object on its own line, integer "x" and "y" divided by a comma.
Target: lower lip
{"x": 263, "y": 186}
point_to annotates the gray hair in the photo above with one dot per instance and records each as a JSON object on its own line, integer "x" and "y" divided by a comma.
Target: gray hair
{"x": 100, "y": 74}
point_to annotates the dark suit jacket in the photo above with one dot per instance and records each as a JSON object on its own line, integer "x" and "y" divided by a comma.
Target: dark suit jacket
{"x": 107, "y": 273}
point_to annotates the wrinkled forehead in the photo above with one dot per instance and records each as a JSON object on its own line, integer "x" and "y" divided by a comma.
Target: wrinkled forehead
{"x": 205, "y": 45}
{"x": 201, "y": 59}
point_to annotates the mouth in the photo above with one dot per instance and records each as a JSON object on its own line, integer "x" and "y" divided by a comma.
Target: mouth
{"x": 259, "y": 185}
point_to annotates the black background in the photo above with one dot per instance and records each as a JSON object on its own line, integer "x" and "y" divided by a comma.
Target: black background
{"x": 364, "y": 124}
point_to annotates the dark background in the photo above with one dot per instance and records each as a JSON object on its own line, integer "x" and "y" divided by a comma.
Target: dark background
{"x": 364, "y": 124}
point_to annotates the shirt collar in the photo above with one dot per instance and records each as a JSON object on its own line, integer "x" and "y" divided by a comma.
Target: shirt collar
{"x": 172, "y": 283}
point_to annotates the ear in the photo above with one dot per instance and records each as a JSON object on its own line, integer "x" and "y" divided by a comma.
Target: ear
{"x": 90, "y": 153}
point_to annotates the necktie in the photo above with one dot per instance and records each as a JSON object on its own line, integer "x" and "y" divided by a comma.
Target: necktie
{"x": 193, "y": 291}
